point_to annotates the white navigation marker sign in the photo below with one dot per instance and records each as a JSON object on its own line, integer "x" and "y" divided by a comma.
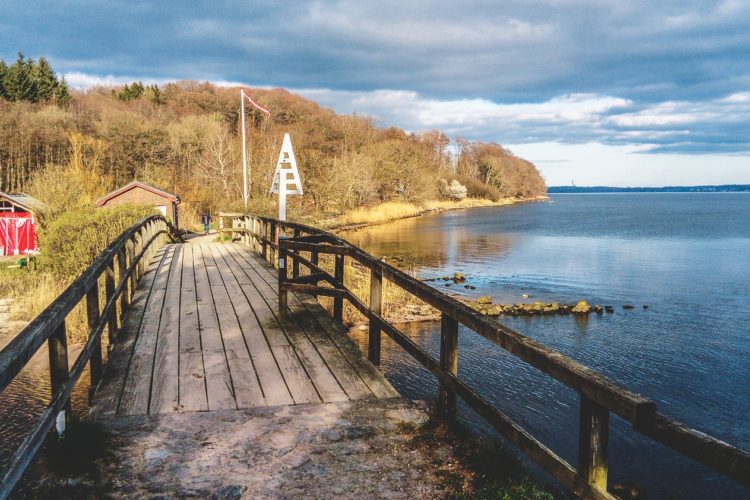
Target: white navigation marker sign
{"x": 286, "y": 175}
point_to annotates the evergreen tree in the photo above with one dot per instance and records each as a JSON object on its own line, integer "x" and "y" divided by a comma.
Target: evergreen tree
{"x": 18, "y": 82}
{"x": 45, "y": 80}
{"x": 62, "y": 93}
{"x": 155, "y": 95}
{"x": 131, "y": 92}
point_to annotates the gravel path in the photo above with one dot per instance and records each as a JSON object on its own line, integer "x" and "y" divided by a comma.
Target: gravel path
{"x": 359, "y": 449}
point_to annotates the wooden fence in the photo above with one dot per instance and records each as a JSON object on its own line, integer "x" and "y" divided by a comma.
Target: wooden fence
{"x": 130, "y": 253}
{"x": 284, "y": 242}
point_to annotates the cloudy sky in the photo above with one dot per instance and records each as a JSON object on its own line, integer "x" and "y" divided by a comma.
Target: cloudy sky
{"x": 593, "y": 91}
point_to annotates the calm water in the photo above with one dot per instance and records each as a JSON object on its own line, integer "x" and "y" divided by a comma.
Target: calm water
{"x": 686, "y": 256}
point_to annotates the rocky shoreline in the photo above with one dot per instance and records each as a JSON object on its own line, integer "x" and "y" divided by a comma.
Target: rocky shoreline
{"x": 485, "y": 306}
{"x": 410, "y": 313}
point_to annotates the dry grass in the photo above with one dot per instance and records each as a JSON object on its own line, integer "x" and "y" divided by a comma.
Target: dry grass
{"x": 399, "y": 306}
{"x": 33, "y": 291}
{"x": 394, "y": 210}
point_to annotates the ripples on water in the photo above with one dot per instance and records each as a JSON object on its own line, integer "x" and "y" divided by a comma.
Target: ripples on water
{"x": 23, "y": 401}
{"x": 683, "y": 255}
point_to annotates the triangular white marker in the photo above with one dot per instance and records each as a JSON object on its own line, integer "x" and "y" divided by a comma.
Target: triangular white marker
{"x": 286, "y": 170}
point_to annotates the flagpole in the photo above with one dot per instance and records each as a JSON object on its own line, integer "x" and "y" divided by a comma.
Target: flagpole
{"x": 244, "y": 150}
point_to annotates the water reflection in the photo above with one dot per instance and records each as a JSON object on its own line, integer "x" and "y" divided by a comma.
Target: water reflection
{"x": 433, "y": 241}
{"x": 21, "y": 403}
{"x": 688, "y": 351}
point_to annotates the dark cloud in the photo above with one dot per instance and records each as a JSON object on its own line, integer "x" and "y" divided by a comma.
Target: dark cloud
{"x": 498, "y": 54}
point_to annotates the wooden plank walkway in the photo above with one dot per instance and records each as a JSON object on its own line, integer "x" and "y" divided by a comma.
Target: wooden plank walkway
{"x": 202, "y": 334}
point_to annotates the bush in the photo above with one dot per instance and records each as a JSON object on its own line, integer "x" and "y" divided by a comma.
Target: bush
{"x": 72, "y": 241}
{"x": 452, "y": 190}
{"x": 478, "y": 189}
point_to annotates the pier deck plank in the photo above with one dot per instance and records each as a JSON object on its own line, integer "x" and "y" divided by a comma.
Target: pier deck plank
{"x": 204, "y": 335}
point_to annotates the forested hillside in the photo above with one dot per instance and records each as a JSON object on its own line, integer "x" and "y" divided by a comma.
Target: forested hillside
{"x": 69, "y": 148}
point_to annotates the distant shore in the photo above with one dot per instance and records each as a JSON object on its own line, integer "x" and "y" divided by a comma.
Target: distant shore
{"x": 724, "y": 188}
{"x": 396, "y": 210}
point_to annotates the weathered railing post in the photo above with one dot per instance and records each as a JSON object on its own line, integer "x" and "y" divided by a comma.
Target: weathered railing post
{"x": 282, "y": 280}
{"x": 109, "y": 292}
{"x": 130, "y": 252}
{"x": 264, "y": 237}
{"x": 376, "y": 306}
{"x": 593, "y": 443}
{"x": 295, "y": 264}
{"x": 274, "y": 251}
{"x": 136, "y": 252}
{"x": 122, "y": 268}
{"x": 92, "y": 317}
{"x": 338, "y": 275}
{"x": 314, "y": 260}
{"x": 448, "y": 362}
{"x": 57, "y": 345}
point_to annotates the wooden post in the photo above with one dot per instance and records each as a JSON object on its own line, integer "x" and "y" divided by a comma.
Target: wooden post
{"x": 130, "y": 251}
{"x": 263, "y": 244}
{"x": 122, "y": 267}
{"x": 137, "y": 251}
{"x": 314, "y": 260}
{"x": 282, "y": 280}
{"x": 338, "y": 302}
{"x": 92, "y": 315}
{"x": 256, "y": 232}
{"x": 274, "y": 251}
{"x": 57, "y": 345}
{"x": 295, "y": 264}
{"x": 109, "y": 292}
{"x": 376, "y": 306}
{"x": 448, "y": 362}
{"x": 593, "y": 443}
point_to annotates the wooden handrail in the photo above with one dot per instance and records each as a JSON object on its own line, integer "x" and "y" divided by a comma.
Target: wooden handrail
{"x": 131, "y": 250}
{"x": 598, "y": 394}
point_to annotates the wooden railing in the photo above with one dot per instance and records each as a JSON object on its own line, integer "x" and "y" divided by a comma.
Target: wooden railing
{"x": 131, "y": 251}
{"x": 280, "y": 242}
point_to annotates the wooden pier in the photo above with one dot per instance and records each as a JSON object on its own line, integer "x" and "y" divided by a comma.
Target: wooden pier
{"x": 224, "y": 371}
{"x": 203, "y": 335}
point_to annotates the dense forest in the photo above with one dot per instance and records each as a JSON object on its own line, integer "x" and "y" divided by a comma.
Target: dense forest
{"x": 68, "y": 147}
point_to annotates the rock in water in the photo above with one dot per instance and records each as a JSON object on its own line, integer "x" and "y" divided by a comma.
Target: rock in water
{"x": 628, "y": 306}
{"x": 582, "y": 307}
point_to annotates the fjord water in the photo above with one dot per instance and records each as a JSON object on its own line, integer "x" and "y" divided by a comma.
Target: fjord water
{"x": 684, "y": 255}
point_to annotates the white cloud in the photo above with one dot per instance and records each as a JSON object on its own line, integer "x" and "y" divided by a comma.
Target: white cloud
{"x": 594, "y": 164}
{"x": 83, "y": 81}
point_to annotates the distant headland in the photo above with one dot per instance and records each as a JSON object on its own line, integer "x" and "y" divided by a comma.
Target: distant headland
{"x": 725, "y": 188}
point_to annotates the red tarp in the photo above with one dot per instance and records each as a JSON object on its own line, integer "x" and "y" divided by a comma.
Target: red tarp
{"x": 17, "y": 233}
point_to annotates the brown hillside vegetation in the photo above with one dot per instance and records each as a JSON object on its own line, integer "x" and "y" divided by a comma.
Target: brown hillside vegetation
{"x": 184, "y": 137}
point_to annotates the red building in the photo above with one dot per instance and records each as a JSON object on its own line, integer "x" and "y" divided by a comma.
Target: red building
{"x": 18, "y": 224}
{"x": 143, "y": 194}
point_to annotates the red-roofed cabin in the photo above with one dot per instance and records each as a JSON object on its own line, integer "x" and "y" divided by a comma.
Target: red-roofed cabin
{"x": 142, "y": 193}
{"x": 17, "y": 224}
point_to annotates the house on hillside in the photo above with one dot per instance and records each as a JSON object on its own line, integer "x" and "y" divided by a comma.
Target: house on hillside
{"x": 18, "y": 223}
{"x": 142, "y": 193}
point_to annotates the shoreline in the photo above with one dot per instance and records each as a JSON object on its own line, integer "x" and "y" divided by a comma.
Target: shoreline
{"x": 408, "y": 210}
{"x": 404, "y": 311}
